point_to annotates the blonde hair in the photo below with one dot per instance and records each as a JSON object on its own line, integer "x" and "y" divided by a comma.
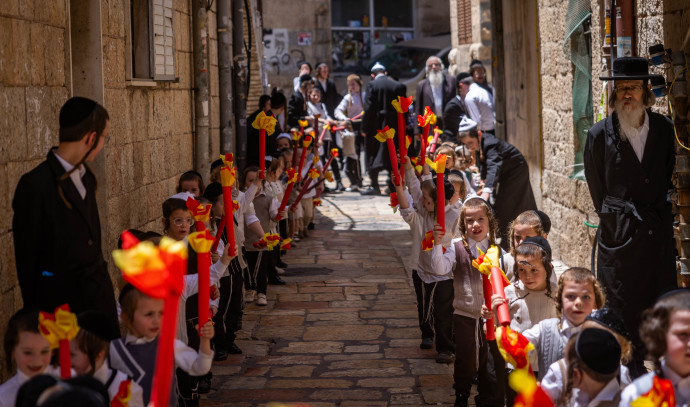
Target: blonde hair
{"x": 356, "y": 78}
{"x": 476, "y": 202}
{"x": 529, "y": 218}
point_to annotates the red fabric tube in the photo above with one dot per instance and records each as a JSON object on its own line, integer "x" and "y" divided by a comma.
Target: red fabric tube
{"x": 402, "y": 147}
{"x": 165, "y": 356}
{"x": 433, "y": 147}
{"x": 199, "y": 226}
{"x": 323, "y": 133}
{"x": 65, "y": 359}
{"x": 203, "y": 263}
{"x": 440, "y": 201}
{"x": 219, "y": 234}
{"x": 262, "y": 153}
{"x": 490, "y": 328}
{"x": 498, "y": 287}
{"x": 301, "y": 162}
{"x": 304, "y": 190}
{"x": 229, "y": 220}
{"x": 283, "y": 203}
{"x": 425, "y": 137}
{"x": 394, "y": 160}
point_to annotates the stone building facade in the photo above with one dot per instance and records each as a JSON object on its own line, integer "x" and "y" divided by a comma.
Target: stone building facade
{"x": 539, "y": 78}
{"x": 53, "y": 50}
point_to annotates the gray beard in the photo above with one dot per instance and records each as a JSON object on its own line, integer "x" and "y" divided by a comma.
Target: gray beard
{"x": 629, "y": 118}
{"x": 435, "y": 78}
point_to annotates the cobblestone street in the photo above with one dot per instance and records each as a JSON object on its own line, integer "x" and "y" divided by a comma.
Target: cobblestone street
{"x": 343, "y": 331}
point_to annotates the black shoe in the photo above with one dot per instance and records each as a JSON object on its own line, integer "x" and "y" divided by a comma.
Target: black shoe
{"x": 281, "y": 264}
{"x": 234, "y": 349}
{"x": 427, "y": 343}
{"x": 445, "y": 357}
{"x": 221, "y": 355}
{"x": 340, "y": 187}
{"x": 276, "y": 281}
{"x": 371, "y": 191}
{"x": 204, "y": 385}
{"x": 310, "y": 227}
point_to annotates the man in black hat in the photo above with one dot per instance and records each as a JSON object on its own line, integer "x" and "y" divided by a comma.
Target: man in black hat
{"x": 57, "y": 232}
{"x": 378, "y": 113}
{"x": 629, "y": 159}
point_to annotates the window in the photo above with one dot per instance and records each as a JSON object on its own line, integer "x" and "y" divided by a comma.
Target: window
{"x": 363, "y": 28}
{"x": 150, "y": 40}
{"x": 464, "y": 22}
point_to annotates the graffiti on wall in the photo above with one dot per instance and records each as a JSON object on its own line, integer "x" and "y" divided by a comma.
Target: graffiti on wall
{"x": 277, "y": 52}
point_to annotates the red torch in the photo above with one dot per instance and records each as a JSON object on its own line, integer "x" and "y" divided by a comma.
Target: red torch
{"x": 386, "y": 136}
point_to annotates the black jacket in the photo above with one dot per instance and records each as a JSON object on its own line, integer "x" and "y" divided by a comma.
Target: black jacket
{"x": 57, "y": 248}
{"x": 378, "y": 113}
{"x": 425, "y": 97}
{"x": 253, "y": 138}
{"x": 329, "y": 96}
{"x": 452, "y": 114}
{"x": 297, "y": 109}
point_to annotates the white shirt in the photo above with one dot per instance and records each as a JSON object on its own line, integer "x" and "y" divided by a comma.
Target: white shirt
{"x": 9, "y": 389}
{"x": 479, "y": 107}
{"x": 637, "y": 137}
{"x": 103, "y": 374}
{"x": 193, "y": 362}
{"x": 552, "y": 382}
{"x": 607, "y": 394}
{"x": 346, "y": 110}
{"x": 681, "y": 386}
{"x": 75, "y": 176}
{"x": 567, "y": 330}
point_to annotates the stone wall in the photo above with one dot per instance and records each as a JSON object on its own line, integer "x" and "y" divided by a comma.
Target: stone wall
{"x": 151, "y": 127}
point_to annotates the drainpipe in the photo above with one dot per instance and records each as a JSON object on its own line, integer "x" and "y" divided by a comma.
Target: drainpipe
{"x": 498, "y": 68}
{"x": 240, "y": 71}
{"x": 201, "y": 84}
{"x": 224, "y": 76}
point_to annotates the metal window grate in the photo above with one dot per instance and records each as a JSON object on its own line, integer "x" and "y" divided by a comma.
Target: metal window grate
{"x": 464, "y": 21}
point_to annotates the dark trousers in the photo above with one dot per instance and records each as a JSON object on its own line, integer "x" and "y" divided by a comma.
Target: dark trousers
{"x": 435, "y": 311}
{"x": 352, "y": 171}
{"x": 419, "y": 291}
{"x": 335, "y": 166}
{"x": 475, "y": 356}
{"x": 259, "y": 263}
{"x": 228, "y": 319}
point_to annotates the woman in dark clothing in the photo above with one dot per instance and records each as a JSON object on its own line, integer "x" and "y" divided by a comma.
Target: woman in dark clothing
{"x": 505, "y": 174}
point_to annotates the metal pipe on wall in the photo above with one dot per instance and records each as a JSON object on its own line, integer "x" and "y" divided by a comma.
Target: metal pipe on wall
{"x": 240, "y": 86}
{"x": 227, "y": 144}
{"x": 201, "y": 88}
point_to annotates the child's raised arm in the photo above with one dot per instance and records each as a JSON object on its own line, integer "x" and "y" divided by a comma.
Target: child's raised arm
{"x": 442, "y": 263}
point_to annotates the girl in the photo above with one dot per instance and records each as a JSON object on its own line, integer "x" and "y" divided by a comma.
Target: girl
{"x": 89, "y": 350}
{"x": 665, "y": 330}
{"x": 450, "y": 155}
{"x": 27, "y": 351}
{"x": 593, "y": 358}
{"x": 316, "y": 107}
{"x": 434, "y": 292}
{"x": 578, "y": 294}
{"x": 528, "y": 224}
{"x": 351, "y": 106}
{"x": 191, "y": 182}
{"x": 135, "y": 354}
{"x": 274, "y": 189}
{"x": 473, "y": 358}
{"x": 607, "y": 319}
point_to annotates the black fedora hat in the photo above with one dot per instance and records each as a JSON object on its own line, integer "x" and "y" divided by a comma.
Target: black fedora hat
{"x": 629, "y": 68}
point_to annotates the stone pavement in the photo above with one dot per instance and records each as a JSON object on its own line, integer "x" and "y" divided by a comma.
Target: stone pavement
{"x": 343, "y": 332}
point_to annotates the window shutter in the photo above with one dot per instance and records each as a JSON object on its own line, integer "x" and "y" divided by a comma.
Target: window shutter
{"x": 163, "y": 45}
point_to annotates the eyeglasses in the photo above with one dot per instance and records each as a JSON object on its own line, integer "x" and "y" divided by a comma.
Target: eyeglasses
{"x": 631, "y": 89}
{"x": 433, "y": 64}
{"x": 181, "y": 222}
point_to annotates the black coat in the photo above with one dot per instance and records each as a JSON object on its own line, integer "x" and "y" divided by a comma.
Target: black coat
{"x": 253, "y": 139}
{"x": 636, "y": 260}
{"x": 379, "y": 113}
{"x": 505, "y": 170}
{"x": 425, "y": 97}
{"x": 57, "y": 248}
{"x": 452, "y": 114}
{"x": 297, "y": 109}
{"x": 329, "y": 96}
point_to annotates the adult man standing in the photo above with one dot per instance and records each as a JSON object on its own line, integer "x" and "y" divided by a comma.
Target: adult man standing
{"x": 453, "y": 112}
{"x": 378, "y": 113}
{"x": 57, "y": 232}
{"x": 478, "y": 103}
{"x": 629, "y": 159}
{"x": 435, "y": 91}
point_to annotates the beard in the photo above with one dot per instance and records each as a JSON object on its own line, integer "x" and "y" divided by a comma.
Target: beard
{"x": 435, "y": 78}
{"x": 629, "y": 116}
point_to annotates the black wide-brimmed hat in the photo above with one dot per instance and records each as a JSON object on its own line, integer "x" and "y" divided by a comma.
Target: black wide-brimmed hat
{"x": 629, "y": 68}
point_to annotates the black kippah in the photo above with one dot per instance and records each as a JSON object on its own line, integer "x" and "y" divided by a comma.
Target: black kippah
{"x": 610, "y": 319}
{"x": 98, "y": 324}
{"x": 538, "y": 241}
{"x": 448, "y": 188}
{"x": 213, "y": 191}
{"x": 216, "y": 164}
{"x": 599, "y": 350}
{"x": 75, "y": 110}
{"x": 544, "y": 219}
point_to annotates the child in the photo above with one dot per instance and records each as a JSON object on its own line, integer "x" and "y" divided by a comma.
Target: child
{"x": 579, "y": 293}
{"x": 274, "y": 189}
{"x": 191, "y": 182}
{"x": 283, "y": 140}
{"x": 135, "y": 354}
{"x": 434, "y": 292}
{"x": 316, "y": 107}
{"x": 90, "y": 350}
{"x": 527, "y": 224}
{"x": 593, "y": 358}
{"x": 457, "y": 179}
{"x": 607, "y": 319}
{"x": 27, "y": 350}
{"x": 529, "y": 299}
{"x": 665, "y": 330}
{"x": 349, "y": 107}
{"x": 473, "y": 358}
